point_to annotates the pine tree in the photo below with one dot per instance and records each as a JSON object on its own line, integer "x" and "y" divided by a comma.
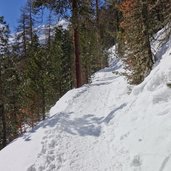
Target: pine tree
{"x": 10, "y": 88}
{"x": 60, "y": 7}
{"x": 34, "y": 87}
{"x": 25, "y": 29}
{"x": 138, "y": 56}
{"x": 4, "y": 35}
{"x": 60, "y": 58}
{"x": 66, "y": 62}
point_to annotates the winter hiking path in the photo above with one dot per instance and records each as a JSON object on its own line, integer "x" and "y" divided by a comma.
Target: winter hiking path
{"x": 76, "y": 140}
{"x": 107, "y": 125}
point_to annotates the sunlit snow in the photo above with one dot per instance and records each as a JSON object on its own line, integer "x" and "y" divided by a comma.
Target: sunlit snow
{"x": 107, "y": 125}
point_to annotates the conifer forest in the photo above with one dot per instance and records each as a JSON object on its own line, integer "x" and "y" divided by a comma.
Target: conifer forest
{"x": 59, "y": 44}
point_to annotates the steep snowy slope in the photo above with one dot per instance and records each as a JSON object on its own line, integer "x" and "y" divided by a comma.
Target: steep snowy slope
{"x": 104, "y": 126}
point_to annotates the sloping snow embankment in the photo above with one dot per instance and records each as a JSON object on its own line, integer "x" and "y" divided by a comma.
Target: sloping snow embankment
{"x": 104, "y": 126}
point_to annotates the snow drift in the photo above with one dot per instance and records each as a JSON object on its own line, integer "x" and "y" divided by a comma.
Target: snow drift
{"x": 107, "y": 125}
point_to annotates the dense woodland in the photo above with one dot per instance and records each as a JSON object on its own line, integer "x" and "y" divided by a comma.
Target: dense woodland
{"x": 44, "y": 60}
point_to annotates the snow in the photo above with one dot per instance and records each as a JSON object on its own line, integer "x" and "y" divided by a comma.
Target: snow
{"x": 107, "y": 125}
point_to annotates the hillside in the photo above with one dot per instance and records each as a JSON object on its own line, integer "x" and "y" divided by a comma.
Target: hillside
{"x": 107, "y": 125}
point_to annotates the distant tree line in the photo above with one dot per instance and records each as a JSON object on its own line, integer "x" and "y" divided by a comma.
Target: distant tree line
{"x": 43, "y": 62}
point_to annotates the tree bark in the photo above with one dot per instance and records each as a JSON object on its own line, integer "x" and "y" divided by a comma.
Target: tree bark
{"x": 97, "y": 13}
{"x": 24, "y": 35}
{"x": 2, "y": 113}
{"x": 76, "y": 43}
{"x": 149, "y": 60}
{"x": 43, "y": 103}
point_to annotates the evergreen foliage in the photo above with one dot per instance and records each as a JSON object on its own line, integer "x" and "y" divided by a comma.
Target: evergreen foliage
{"x": 136, "y": 41}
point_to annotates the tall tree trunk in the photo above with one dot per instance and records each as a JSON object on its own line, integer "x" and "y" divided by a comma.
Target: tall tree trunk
{"x": 14, "y": 114}
{"x": 30, "y": 21}
{"x": 2, "y": 113}
{"x": 43, "y": 103}
{"x": 97, "y": 13}
{"x": 75, "y": 16}
{"x": 117, "y": 17}
{"x": 99, "y": 60}
{"x": 49, "y": 29}
{"x": 24, "y": 36}
{"x": 149, "y": 60}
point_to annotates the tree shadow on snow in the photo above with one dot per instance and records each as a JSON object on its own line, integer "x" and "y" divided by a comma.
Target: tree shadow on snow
{"x": 87, "y": 125}
{"x": 111, "y": 115}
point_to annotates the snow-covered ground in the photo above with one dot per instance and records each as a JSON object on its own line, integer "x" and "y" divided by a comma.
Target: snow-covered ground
{"x": 107, "y": 125}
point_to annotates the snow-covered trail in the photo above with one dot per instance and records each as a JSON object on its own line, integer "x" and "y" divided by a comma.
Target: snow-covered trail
{"x": 107, "y": 125}
{"x": 110, "y": 126}
{"x": 77, "y": 140}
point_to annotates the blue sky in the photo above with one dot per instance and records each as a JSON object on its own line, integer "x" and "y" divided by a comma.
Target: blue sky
{"x": 10, "y": 9}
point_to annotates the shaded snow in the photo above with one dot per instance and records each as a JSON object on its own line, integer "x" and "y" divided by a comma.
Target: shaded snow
{"x": 107, "y": 125}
